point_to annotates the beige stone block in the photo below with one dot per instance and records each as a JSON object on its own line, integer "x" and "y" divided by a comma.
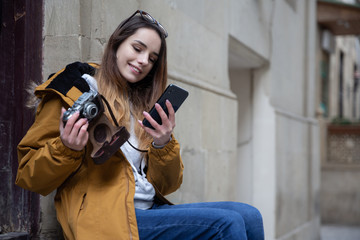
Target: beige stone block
{"x": 60, "y": 51}
{"x": 96, "y": 50}
{"x": 194, "y": 51}
{"x": 85, "y": 48}
{"x": 189, "y": 118}
{"x": 288, "y": 61}
{"x": 250, "y": 23}
{"x": 244, "y": 173}
{"x": 193, "y": 186}
{"x": 340, "y": 196}
{"x": 228, "y": 124}
{"x": 85, "y": 17}
{"x": 116, "y": 12}
{"x": 218, "y": 181}
{"x": 292, "y": 201}
{"x": 218, "y": 122}
{"x": 108, "y": 14}
{"x": 205, "y": 13}
{"x": 211, "y": 121}
{"x": 61, "y": 17}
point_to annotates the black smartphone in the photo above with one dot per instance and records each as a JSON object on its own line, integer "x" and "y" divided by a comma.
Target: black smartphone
{"x": 175, "y": 94}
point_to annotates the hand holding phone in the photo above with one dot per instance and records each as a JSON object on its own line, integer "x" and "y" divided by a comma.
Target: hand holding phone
{"x": 175, "y": 94}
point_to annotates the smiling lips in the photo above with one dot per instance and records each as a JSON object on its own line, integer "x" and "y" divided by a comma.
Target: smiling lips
{"x": 135, "y": 69}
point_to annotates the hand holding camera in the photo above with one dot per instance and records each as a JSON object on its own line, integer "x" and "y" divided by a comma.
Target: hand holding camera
{"x": 73, "y": 131}
{"x": 74, "y": 134}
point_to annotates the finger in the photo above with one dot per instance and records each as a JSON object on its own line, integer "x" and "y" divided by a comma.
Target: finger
{"x": 76, "y": 128}
{"x": 63, "y": 110}
{"x": 150, "y": 120}
{"x": 73, "y": 140}
{"x": 83, "y": 135}
{"x": 161, "y": 112}
{"x": 158, "y": 138}
{"x": 171, "y": 112}
{"x": 150, "y": 131}
{"x": 70, "y": 123}
{"x": 61, "y": 120}
{"x": 164, "y": 117}
{"x": 141, "y": 124}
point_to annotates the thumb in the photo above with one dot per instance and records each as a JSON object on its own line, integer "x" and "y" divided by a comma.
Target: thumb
{"x": 63, "y": 110}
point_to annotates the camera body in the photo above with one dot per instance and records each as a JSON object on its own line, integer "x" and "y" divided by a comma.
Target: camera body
{"x": 89, "y": 106}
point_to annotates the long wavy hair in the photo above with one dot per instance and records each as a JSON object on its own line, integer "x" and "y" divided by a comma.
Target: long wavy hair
{"x": 125, "y": 98}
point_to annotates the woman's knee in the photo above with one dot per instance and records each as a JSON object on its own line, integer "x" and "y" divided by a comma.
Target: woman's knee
{"x": 232, "y": 225}
{"x": 254, "y": 223}
{"x": 255, "y": 213}
{"x": 249, "y": 212}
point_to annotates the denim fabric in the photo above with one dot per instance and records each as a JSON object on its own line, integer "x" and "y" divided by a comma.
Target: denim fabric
{"x": 213, "y": 220}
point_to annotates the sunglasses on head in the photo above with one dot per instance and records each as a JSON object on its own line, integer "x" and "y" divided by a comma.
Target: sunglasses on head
{"x": 148, "y": 18}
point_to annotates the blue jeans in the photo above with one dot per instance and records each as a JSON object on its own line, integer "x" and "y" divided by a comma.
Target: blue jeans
{"x": 213, "y": 220}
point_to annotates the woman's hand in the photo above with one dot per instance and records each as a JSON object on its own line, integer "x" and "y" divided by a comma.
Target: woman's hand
{"x": 162, "y": 133}
{"x": 74, "y": 134}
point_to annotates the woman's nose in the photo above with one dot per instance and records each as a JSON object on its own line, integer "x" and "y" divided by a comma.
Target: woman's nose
{"x": 143, "y": 59}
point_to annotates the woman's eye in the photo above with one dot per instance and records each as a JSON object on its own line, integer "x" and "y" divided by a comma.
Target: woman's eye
{"x": 153, "y": 60}
{"x": 137, "y": 49}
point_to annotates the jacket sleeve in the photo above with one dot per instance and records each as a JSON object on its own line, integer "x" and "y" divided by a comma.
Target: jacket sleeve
{"x": 44, "y": 161}
{"x": 165, "y": 167}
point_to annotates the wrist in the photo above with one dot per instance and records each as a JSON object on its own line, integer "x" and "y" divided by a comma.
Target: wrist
{"x": 159, "y": 145}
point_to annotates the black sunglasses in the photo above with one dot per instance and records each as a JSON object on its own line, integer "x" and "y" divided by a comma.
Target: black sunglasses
{"x": 148, "y": 18}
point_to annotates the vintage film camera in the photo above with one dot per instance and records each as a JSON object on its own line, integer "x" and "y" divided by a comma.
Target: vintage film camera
{"x": 89, "y": 106}
{"x": 105, "y": 138}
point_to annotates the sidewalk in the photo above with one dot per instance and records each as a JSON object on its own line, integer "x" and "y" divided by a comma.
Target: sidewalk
{"x": 336, "y": 232}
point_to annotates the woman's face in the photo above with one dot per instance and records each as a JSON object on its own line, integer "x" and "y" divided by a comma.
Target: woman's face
{"x": 136, "y": 56}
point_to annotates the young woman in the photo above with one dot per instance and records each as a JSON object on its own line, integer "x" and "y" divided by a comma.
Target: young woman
{"x": 122, "y": 198}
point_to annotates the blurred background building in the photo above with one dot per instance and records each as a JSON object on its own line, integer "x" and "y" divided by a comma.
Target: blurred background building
{"x": 339, "y": 111}
{"x": 270, "y": 120}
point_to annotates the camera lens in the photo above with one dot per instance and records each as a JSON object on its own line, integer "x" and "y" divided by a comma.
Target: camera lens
{"x": 90, "y": 110}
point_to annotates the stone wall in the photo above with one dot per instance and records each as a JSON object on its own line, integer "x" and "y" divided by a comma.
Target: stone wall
{"x": 339, "y": 144}
{"x": 247, "y": 131}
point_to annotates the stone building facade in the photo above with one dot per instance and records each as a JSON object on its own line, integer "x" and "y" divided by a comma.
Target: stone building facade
{"x": 339, "y": 110}
{"x": 340, "y": 130}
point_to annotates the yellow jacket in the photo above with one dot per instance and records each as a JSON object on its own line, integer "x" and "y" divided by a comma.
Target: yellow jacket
{"x": 92, "y": 201}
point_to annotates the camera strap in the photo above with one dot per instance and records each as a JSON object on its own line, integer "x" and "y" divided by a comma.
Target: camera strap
{"x": 116, "y": 124}
{"x": 110, "y": 111}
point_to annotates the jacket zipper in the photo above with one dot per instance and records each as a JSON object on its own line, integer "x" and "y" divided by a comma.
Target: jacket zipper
{"x": 126, "y": 207}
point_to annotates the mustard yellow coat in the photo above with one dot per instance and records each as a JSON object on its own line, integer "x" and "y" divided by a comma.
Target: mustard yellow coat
{"x": 92, "y": 201}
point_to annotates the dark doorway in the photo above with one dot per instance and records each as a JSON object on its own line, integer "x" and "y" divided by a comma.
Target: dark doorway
{"x": 21, "y": 60}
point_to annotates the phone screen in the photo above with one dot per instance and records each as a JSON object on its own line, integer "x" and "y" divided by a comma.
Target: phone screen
{"x": 175, "y": 94}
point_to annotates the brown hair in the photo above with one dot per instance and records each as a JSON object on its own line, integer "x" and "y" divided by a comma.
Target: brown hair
{"x": 123, "y": 97}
